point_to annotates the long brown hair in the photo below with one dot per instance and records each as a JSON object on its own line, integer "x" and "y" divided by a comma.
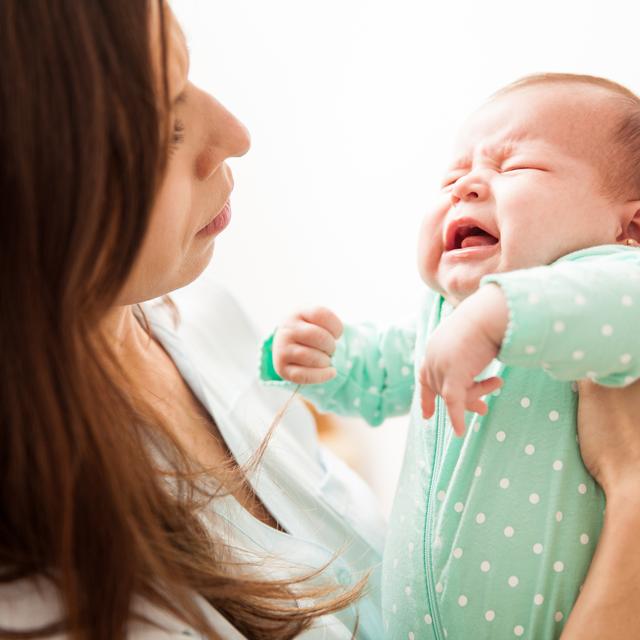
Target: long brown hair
{"x": 83, "y": 144}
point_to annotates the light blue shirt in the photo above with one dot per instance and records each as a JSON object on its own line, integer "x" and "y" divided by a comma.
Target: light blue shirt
{"x": 325, "y": 508}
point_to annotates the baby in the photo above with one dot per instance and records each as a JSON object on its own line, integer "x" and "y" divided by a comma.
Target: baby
{"x": 533, "y": 285}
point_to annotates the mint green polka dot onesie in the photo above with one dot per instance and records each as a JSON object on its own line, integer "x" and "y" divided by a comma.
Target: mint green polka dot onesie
{"x": 491, "y": 535}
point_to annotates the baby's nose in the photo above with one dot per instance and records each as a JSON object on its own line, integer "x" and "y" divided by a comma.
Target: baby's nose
{"x": 468, "y": 189}
{"x": 470, "y": 195}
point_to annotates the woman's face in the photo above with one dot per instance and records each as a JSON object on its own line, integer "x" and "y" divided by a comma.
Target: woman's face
{"x": 192, "y": 204}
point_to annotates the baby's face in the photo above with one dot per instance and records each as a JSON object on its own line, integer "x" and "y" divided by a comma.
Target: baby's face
{"x": 523, "y": 188}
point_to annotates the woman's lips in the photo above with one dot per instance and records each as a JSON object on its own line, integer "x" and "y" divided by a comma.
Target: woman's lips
{"x": 219, "y": 222}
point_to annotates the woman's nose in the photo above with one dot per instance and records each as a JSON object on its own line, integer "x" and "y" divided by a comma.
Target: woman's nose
{"x": 225, "y": 136}
{"x": 469, "y": 188}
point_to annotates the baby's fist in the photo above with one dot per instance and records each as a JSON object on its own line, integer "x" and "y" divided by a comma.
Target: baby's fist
{"x": 303, "y": 346}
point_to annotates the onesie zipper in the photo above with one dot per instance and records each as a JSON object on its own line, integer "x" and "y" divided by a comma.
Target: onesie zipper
{"x": 428, "y": 525}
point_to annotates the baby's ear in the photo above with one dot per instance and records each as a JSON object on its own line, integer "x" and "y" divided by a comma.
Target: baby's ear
{"x": 630, "y": 222}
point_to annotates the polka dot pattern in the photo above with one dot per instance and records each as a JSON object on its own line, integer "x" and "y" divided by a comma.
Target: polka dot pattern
{"x": 514, "y": 518}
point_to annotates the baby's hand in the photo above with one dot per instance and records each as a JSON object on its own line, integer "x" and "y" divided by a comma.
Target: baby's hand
{"x": 303, "y": 346}
{"x": 460, "y": 349}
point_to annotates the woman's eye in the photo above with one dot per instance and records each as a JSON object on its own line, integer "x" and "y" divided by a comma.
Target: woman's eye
{"x": 177, "y": 136}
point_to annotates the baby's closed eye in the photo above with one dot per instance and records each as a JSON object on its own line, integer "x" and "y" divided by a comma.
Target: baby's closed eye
{"x": 522, "y": 166}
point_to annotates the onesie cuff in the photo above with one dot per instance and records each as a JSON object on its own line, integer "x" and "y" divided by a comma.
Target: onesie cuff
{"x": 267, "y": 370}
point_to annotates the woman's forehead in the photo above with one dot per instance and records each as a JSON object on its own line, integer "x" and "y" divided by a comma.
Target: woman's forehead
{"x": 177, "y": 53}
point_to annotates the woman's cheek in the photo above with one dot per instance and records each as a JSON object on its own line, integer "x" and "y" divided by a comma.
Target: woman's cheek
{"x": 173, "y": 210}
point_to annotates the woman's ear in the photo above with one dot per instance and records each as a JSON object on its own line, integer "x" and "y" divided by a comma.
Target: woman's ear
{"x": 630, "y": 223}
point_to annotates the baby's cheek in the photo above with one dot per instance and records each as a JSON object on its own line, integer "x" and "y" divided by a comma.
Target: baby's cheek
{"x": 429, "y": 252}
{"x": 430, "y": 243}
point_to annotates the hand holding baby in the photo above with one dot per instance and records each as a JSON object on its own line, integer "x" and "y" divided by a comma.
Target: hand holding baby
{"x": 303, "y": 346}
{"x": 462, "y": 346}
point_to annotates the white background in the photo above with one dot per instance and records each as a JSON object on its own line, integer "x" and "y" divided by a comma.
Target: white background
{"x": 352, "y": 106}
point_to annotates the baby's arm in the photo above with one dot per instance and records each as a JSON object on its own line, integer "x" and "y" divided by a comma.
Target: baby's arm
{"x": 350, "y": 370}
{"x": 577, "y": 318}
{"x": 459, "y": 349}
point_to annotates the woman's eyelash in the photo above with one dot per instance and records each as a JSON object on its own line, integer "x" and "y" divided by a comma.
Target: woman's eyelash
{"x": 177, "y": 135}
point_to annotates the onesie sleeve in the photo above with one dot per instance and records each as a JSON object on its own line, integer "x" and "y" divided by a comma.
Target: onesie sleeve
{"x": 374, "y": 373}
{"x": 576, "y": 318}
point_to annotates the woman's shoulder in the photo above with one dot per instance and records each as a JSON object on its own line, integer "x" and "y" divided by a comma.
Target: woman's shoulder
{"x": 35, "y": 602}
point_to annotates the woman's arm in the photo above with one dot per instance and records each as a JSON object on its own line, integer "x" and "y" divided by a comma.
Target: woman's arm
{"x": 609, "y": 431}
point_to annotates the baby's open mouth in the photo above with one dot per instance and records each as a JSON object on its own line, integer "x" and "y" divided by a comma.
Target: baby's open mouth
{"x": 466, "y": 236}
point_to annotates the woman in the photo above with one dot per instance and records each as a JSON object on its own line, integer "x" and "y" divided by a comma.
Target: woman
{"x": 608, "y": 606}
{"x": 114, "y": 188}
{"x": 131, "y": 504}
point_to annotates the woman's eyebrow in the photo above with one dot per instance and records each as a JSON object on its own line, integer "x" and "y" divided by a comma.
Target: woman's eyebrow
{"x": 181, "y": 98}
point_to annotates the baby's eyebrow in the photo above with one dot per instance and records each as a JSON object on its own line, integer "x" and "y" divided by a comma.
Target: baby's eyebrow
{"x": 462, "y": 162}
{"x": 501, "y": 150}
{"x": 497, "y": 151}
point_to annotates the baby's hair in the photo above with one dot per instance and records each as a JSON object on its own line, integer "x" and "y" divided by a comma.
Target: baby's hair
{"x": 621, "y": 168}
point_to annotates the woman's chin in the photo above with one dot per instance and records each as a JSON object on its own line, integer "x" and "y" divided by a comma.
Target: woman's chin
{"x": 197, "y": 266}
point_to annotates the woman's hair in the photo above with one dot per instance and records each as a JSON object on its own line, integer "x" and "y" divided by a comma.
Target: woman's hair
{"x": 84, "y": 133}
